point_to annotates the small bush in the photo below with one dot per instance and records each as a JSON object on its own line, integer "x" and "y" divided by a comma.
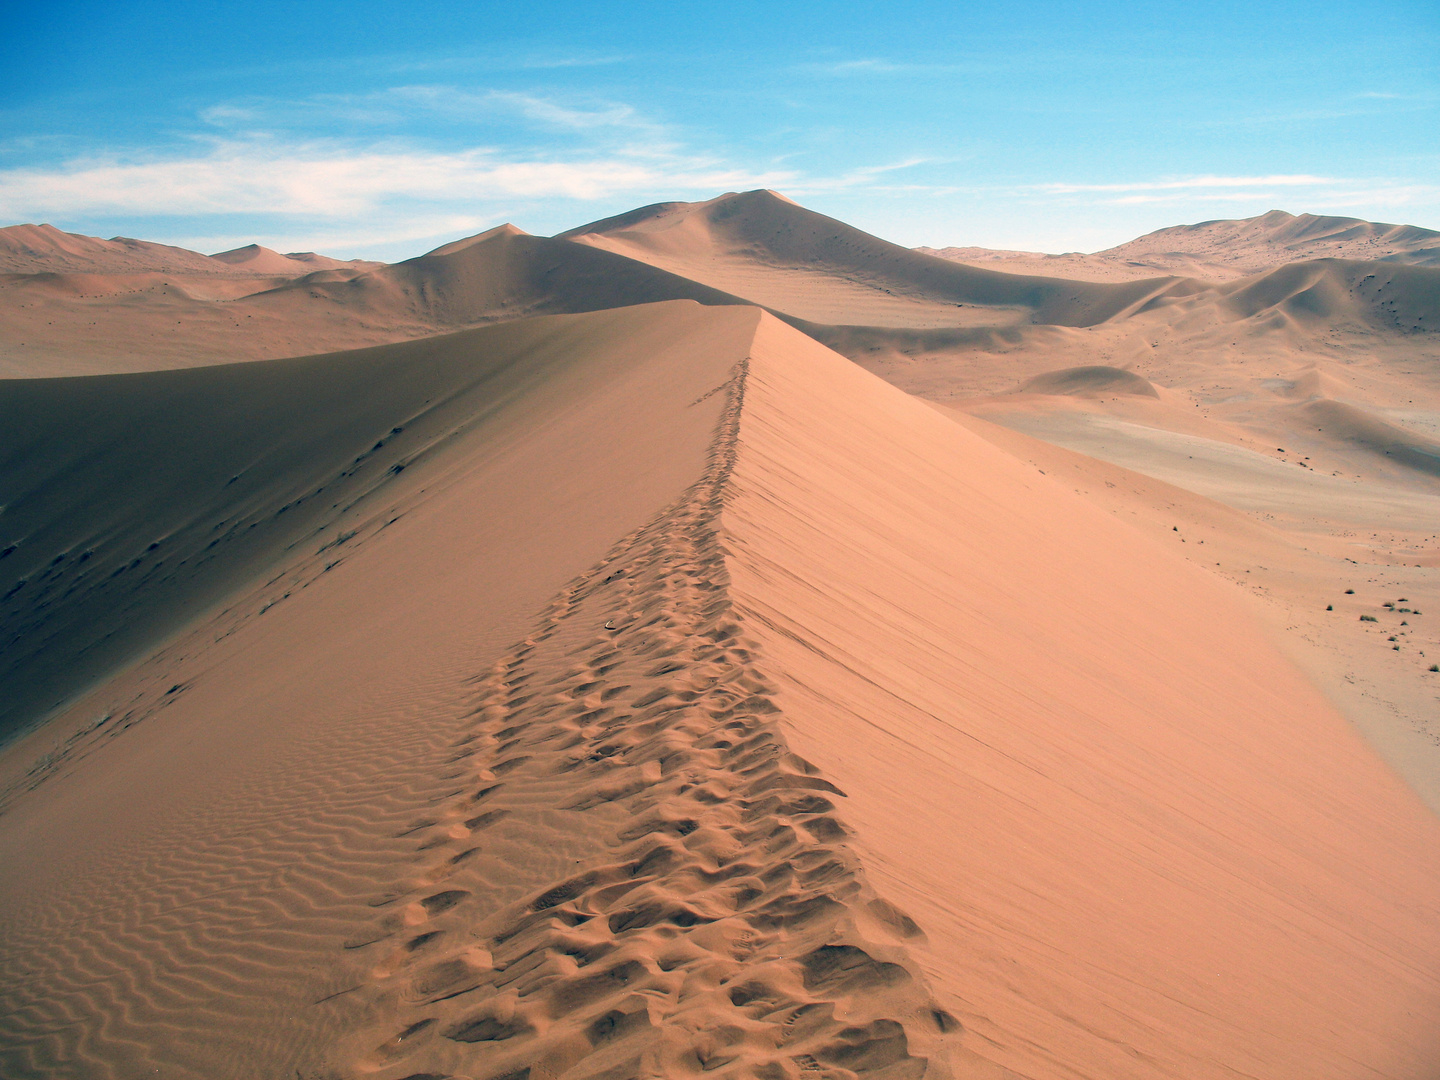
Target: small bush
{"x": 1435, "y": 667}
{"x": 1349, "y": 592}
{"x": 1368, "y": 618}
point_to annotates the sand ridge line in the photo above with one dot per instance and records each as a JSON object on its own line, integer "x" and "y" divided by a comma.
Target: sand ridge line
{"x": 720, "y": 922}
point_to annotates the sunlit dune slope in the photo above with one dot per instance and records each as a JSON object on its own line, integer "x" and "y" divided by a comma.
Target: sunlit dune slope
{"x": 691, "y": 704}
{"x": 1140, "y": 844}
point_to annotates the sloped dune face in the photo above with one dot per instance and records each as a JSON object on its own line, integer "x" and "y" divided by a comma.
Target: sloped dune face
{"x": 700, "y": 705}
{"x": 1140, "y": 845}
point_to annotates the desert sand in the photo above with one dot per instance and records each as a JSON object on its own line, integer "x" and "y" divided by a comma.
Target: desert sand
{"x": 716, "y": 641}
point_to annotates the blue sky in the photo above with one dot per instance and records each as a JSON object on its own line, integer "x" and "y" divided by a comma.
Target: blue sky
{"x": 384, "y": 129}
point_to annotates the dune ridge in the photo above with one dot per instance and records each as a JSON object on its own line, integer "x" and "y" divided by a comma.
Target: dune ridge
{"x": 726, "y": 926}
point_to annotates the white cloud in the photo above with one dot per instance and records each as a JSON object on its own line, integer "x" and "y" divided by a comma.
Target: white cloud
{"x": 405, "y": 105}
{"x": 321, "y": 180}
{"x": 1320, "y": 194}
{"x": 1193, "y": 183}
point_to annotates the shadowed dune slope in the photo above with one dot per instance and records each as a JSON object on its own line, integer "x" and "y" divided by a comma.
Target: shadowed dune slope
{"x": 1349, "y": 424}
{"x": 132, "y": 501}
{"x": 1140, "y": 844}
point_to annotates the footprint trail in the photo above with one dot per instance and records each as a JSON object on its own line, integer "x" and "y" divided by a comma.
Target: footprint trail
{"x": 694, "y": 907}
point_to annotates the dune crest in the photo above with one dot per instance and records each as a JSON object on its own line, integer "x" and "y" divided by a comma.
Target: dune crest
{"x": 727, "y": 924}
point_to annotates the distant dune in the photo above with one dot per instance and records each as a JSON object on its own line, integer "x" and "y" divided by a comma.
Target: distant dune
{"x": 1222, "y": 250}
{"x": 716, "y": 641}
{"x": 261, "y": 260}
{"x": 30, "y": 249}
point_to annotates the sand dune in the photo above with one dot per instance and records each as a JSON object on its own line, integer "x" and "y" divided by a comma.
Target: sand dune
{"x": 1369, "y": 432}
{"x": 33, "y": 249}
{"x": 761, "y": 246}
{"x": 261, "y": 260}
{"x": 1096, "y": 380}
{"x": 1267, "y": 241}
{"x": 1222, "y": 250}
{"x": 56, "y": 325}
{"x": 562, "y": 750}
{"x": 28, "y": 249}
{"x": 876, "y": 302}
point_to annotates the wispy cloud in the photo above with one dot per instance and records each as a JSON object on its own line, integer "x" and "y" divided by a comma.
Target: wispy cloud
{"x": 865, "y": 177}
{"x": 1192, "y": 184}
{"x": 404, "y": 105}
{"x": 861, "y": 67}
{"x": 876, "y": 65}
{"x": 321, "y": 180}
{"x": 1319, "y": 193}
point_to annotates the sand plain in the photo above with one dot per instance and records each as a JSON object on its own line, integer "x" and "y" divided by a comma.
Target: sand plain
{"x": 600, "y": 676}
